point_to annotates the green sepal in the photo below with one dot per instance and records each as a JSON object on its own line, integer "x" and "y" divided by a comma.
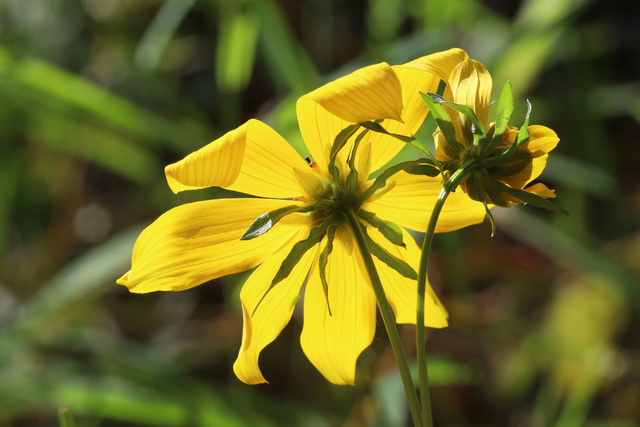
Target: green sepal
{"x": 352, "y": 178}
{"x": 297, "y": 252}
{"x": 525, "y": 196}
{"x": 338, "y": 143}
{"x": 418, "y": 145}
{"x": 422, "y": 169}
{"x": 266, "y": 221}
{"x": 523, "y": 133}
{"x": 478, "y": 127}
{"x": 505, "y": 109}
{"x": 322, "y": 263}
{"x": 381, "y": 180}
{"x": 521, "y": 138}
{"x": 388, "y": 229}
{"x": 434, "y": 101}
{"x": 493, "y": 221}
{"x": 517, "y": 163}
{"x": 341, "y": 139}
{"x": 392, "y": 261}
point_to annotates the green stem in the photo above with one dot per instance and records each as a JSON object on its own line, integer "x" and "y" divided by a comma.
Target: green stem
{"x": 447, "y": 188}
{"x": 387, "y": 317}
{"x": 65, "y": 417}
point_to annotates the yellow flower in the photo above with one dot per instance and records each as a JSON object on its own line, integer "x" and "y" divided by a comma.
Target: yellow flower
{"x": 498, "y": 176}
{"x": 201, "y": 241}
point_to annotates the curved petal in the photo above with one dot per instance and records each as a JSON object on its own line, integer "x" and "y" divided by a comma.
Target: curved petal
{"x": 541, "y": 141}
{"x": 471, "y": 85}
{"x": 400, "y": 291}
{"x": 370, "y": 93}
{"x": 410, "y": 202}
{"x": 422, "y": 75}
{"x": 198, "y": 242}
{"x": 334, "y": 342}
{"x": 384, "y": 147}
{"x": 441, "y": 63}
{"x": 252, "y": 159}
{"x": 273, "y": 313}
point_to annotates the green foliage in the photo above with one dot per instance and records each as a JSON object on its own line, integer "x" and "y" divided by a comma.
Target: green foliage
{"x": 98, "y": 96}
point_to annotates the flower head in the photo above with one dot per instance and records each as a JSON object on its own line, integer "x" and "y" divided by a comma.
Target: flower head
{"x": 499, "y": 160}
{"x": 295, "y": 229}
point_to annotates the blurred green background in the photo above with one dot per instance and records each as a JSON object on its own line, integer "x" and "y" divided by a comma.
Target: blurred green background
{"x": 97, "y": 96}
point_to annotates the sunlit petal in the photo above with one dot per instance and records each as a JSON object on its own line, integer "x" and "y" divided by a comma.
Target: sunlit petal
{"x": 334, "y": 342}
{"x": 370, "y": 93}
{"x": 471, "y": 84}
{"x": 400, "y": 291}
{"x": 441, "y": 64}
{"x": 198, "y": 242}
{"x": 410, "y": 202}
{"x": 273, "y": 313}
{"x": 384, "y": 147}
{"x": 252, "y": 159}
{"x": 319, "y": 129}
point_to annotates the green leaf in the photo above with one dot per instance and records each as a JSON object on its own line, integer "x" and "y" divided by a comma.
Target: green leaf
{"x": 160, "y": 32}
{"x": 236, "y": 50}
{"x": 266, "y": 221}
{"x": 322, "y": 263}
{"x": 297, "y": 252}
{"x": 505, "y": 109}
{"x": 392, "y": 261}
{"x": 391, "y": 231}
{"x": 433, "y": 101}
{"x": 525, "y": 196}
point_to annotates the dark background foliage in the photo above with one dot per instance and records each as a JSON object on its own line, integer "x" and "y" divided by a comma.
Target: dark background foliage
{"x": 97, "y": 96}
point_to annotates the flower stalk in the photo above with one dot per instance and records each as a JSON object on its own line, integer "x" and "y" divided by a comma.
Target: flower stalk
{"x": 447, "y": 187}
{"x": 387, "y": 318}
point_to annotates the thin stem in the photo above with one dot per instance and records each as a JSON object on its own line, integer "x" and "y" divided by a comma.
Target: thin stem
{"x": 387, "y": 317}
{"x": 65, "y": 417}
{"x": 447, "y": 188}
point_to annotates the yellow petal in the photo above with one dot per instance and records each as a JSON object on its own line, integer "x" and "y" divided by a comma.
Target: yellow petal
{"x": 319, "y": 129}
{"x": 312, "y": 185}
{"x": 471, "y": 84}
{"x": 198, "y": 242}
{"x": 252, "y": 159}
{"x": 441, "y": 63}
{"x": 273, "y": 313}
{"x": 333, "y": 343}
{"x": 370, "y": 93}
{"x": 400, "y": 291}
{"x": 422, "y": 75}
{"x": 410, "y": 202}
{"x": 541, "y": 141}
{"x": 384, "y": 147}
